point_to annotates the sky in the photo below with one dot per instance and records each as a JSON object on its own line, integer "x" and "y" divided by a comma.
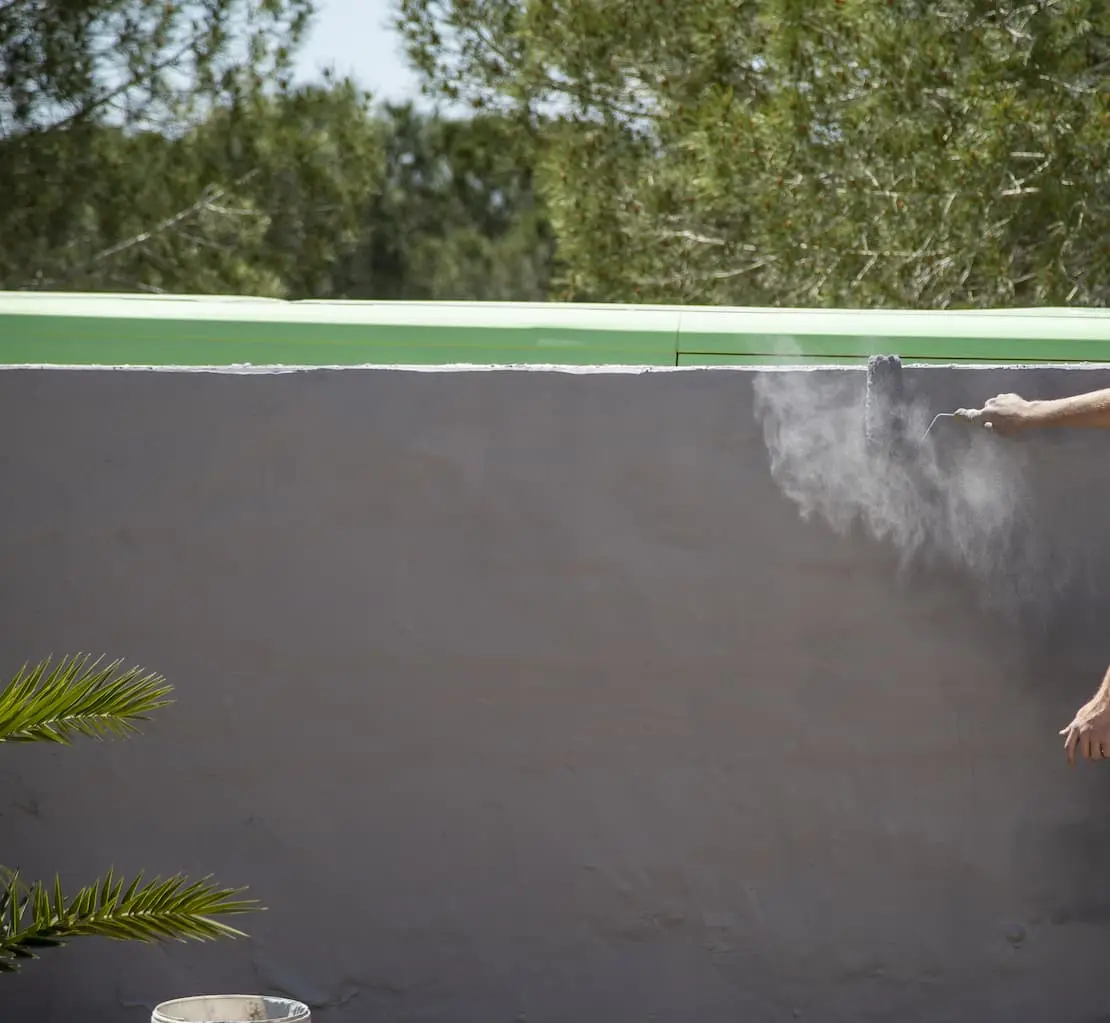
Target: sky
{"x": 354, "y": 36}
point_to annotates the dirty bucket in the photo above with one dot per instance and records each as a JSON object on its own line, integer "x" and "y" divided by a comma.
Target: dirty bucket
{"x": 231, "y": 1009}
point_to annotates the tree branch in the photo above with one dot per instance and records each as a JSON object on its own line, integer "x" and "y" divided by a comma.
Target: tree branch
{"x": 112, "y": 94}
{"x": 209, "y": 196}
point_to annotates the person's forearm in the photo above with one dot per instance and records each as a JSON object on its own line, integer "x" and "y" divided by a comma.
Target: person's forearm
{"x": 1091, "y": 410}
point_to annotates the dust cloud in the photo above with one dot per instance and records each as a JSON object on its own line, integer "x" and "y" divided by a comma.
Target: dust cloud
{"x": 960, "y": 497}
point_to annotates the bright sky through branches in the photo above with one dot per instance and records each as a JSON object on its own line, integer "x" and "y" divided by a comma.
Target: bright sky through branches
{"x": 355, "y": 36}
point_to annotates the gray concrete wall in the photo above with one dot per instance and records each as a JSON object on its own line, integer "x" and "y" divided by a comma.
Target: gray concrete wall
{"x": 532, "y": 696}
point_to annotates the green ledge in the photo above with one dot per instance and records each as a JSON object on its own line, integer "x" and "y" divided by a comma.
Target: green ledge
{"x": 141, "y": 330}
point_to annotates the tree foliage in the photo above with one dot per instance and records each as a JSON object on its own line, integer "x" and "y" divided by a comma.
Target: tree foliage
{"x": 760, "y": 152}
{"x": 137, "y": 63}
{"x": 57, "y": 702}
{"x": 49, "y": 702}
{"x": 148, "y": 145}
{"x": 37, "y": 916}
{"x": 777, "y": 152}
{"x": 261, "y": 197}
{"x": 455, "y": 214}
{"x": 155, "y": 145}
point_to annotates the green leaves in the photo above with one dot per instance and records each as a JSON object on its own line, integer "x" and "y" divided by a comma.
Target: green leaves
{"x": 78, "y": 697}
{"x": 37, "y": 916}
{"x": 456, "y": 215}
{"x": 750, "y": 152}
{"x": 137, "y": 63}
{"x": 775, "y": 152}
{"x": 263, "y": 195}
{"x": 157, "y": 147}
{"x": 57, "y": 703}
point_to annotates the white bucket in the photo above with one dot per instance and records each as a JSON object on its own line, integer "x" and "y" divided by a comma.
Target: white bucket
{"x": 231, "y": 1009}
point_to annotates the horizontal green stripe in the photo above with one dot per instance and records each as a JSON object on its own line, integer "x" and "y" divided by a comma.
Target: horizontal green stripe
{"x": 768, "y": 331}
{"x": 162, "y": 330}
{"x": 941, "y": 347}
{"x": 109, "y": 341}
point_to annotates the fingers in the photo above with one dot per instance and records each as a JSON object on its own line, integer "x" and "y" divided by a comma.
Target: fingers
{"x": 993, "y": 413}
{"x": 976, "y": 416}
{"x": 1086, "y": 740}
{"x": 972, "y": 415}
{"x": 1071, "y": 740}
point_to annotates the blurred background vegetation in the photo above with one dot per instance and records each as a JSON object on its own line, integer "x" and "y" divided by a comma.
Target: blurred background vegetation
{"x": 768, "y": 152}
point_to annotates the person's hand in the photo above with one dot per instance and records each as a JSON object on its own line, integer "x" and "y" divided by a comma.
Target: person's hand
{"x": 1089, "y": 731}
{"x": 1004, "y": 414}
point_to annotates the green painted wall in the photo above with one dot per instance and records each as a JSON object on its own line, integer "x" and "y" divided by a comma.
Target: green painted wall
{"x": 168, "y": 331}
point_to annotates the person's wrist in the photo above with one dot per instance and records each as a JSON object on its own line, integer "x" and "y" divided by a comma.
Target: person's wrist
{"x": 1101, "y": 700}
{"x": 1035, "y": 412}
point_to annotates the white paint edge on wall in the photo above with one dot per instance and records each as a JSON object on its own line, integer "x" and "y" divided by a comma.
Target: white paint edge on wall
{"x": 251, "y": 370}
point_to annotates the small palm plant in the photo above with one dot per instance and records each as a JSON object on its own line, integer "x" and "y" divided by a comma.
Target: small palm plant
{"x": 57, "y": 703}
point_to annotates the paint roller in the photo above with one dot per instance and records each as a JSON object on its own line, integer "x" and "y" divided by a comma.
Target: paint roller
{"x": 884, "y": 409}
{"x": 897, "y": 452}
{"x": 884, "y": 424}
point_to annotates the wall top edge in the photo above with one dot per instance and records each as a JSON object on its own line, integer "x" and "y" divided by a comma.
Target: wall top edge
{"x": 681, "y": 322}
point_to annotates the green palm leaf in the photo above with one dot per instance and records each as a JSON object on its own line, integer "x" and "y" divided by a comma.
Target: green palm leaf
{"x": 78, "y": 696}
{"x": 58, "y": 702}
{"x": 35, "y": 916}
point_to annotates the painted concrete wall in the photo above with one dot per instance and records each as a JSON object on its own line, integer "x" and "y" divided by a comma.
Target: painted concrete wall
{"x": 532, "y": 696}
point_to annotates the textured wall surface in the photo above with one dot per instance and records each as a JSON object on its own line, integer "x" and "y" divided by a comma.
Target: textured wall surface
{"x": 534, "y": 696}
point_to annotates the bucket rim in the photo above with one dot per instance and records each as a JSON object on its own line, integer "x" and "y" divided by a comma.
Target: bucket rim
{"x": 295, "y": 1011}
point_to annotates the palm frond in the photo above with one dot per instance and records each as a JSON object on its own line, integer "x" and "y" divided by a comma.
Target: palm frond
{"x": 78, "y": 696}
{"x": 37, "y": 916}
